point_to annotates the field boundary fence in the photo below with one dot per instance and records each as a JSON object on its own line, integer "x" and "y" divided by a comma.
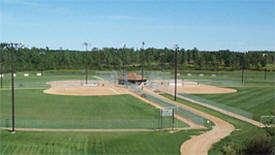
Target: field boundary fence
{"x": 179, "y": 110}
{"x": 267, "y": 120}
{"x": 85, "y": 124}
{"x": 157, "y": 86}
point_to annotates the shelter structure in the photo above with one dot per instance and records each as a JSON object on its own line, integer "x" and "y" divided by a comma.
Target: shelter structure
{"x": 132, "y": 78}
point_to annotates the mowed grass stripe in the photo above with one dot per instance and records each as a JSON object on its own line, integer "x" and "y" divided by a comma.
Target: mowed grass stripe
{"x": 232, "y": 96}
{"x": 238, "y": 100}
{"x": 256, "y": 100}
{"x": 260, "y": 97}
{"x": 118, "y": 109}
{"x": 93, "y": 143}
{"x": 251, "y": 94}
{"x": 33, "y": 104}
{"x": 266, "y": 108}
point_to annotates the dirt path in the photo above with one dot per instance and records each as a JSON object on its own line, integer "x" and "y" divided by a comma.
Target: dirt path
{"x": 202, "y": 143}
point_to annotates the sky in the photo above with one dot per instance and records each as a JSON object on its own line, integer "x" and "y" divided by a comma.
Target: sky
{"x": 238, "y": 25}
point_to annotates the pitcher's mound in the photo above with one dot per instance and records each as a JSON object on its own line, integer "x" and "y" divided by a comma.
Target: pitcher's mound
{"x": 76, "y": 88}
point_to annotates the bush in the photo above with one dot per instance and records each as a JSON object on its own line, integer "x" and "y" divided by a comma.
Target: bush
{"x": 231, "y": 149}
{"x": 261, "y": 144}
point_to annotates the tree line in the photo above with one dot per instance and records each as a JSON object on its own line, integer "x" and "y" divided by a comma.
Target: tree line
{"x": 131, "y": 59}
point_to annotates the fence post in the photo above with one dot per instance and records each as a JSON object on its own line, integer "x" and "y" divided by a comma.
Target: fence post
{"x": 160, "y": 118}
{"x": 173, "y": 118}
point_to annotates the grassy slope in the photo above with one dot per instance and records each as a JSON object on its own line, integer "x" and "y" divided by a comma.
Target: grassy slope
{"x": 93, "y": 143}
{"x": 256, "y": 100}
{"x": 245, "y": 131}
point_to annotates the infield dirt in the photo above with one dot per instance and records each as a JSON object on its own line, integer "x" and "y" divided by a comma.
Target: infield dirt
{"x": 75, "y": 88}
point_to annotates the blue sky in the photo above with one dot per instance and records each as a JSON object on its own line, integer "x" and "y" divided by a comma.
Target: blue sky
{"x": 206, "y": 24}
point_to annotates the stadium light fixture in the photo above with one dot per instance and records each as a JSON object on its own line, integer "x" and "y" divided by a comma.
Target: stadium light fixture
{"x": 1, "y": 64}
{"x": 13, "y": 46}
{"x": 142, "y": 71}
{"x": 243, "y": 61}
{"x": 86, "y": 44}
{"x": 124, "y": 70}
{"x": 42, "y": 54}
{"x": 265, "y": 70}
{"x": 176, "y": 69}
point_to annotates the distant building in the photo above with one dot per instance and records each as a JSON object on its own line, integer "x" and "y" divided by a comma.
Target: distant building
{"x": 132, "y": 78}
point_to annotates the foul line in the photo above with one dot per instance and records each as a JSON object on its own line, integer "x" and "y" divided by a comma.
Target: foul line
{"x": 114, "y": 90}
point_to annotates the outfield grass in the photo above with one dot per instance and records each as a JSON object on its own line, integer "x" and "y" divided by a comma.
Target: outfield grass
{"x": 93, "y": 143}
{"x": 40, "y": 81}
{"x": 233, "y": 78}
{"x": 33, "y": 108}
{"x": 256, "y": 100}
{"x": 243, "y": 133}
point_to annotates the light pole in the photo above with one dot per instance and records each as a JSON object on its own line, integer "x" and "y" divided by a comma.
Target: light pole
{"x": 1, "y": 63}
{"x": 142, "y": 71}
{"x": 86, "y": 68}
{"x": 243, "y": 61}
{"x": 176, "y": 69}
{"x": 13, "y": 47}
{"x": 265, "y": 70}
{"x": 124, "y": 70}
{"x": 42, "y": 54}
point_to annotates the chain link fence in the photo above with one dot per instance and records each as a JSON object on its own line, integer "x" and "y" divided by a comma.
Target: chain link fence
{"x": 165, "y": 86}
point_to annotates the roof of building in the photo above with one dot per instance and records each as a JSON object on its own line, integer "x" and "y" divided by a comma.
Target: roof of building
{"x": 133, "y": 77}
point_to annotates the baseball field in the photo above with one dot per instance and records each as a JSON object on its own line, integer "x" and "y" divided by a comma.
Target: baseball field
{"x": 255, "y": 97}
{"x": 114, "y": 109}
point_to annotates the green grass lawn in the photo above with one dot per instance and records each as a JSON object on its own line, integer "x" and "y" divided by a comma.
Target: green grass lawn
{"x": 256, "y": 100}
{"x": 37, "y": 143}
{"x": 36, "y": 81}
{"x": 231, "y": 78}
{"x": 33, "y": 108}
{"x": 238, "y": 137}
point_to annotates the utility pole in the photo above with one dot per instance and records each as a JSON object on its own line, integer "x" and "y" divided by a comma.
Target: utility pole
{"x": 86, "y": 68}
{"x": 1, "y": 68}
{"x": 142, "y": 71}
{"x": 42, "y": 54}
{"x": 243, "y": 61}
{"x": 1, "y": 74}
{"x": 12, "y": 88}
{"x": 265, "y": 70}
{"x": 176, "y": 69}
{"x": 173, "y": 118}
{"x": 12, "y": 47}
{"x": 124, "y": 70}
